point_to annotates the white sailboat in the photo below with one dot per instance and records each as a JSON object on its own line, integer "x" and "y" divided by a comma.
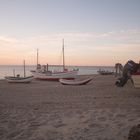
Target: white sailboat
{"x": 49, "y": 75}
{"x": 18, "y": 79}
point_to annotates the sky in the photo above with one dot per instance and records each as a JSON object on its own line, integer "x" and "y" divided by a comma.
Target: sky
{"x": 95, "y": 32}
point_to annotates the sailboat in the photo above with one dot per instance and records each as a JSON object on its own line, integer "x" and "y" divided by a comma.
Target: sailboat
{"x": 45, "y": 74}
{"x": 18, "y": 79}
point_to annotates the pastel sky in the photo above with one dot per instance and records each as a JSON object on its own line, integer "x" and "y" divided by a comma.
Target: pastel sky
{"x": 96, "y": 32}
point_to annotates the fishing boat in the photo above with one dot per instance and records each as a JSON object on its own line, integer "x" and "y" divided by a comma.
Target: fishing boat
{"x": 55, "y": 76}
{"x": 12, "y": 79}
{"x": 18, "y": 78}
{"x": 75, "y": 82}
{"x": 45, "y": 74}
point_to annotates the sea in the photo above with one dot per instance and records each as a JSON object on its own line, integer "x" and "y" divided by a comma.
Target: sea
{"x": 11, "y": 70}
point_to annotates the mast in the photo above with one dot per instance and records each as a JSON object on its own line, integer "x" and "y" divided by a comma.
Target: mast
{"x": 37, "y": 60}
{"x": 24, "y": 68}
{"x": 63, "y": 56}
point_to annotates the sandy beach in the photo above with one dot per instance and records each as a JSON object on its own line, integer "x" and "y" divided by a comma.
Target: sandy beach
{"x": 44, "y": 110}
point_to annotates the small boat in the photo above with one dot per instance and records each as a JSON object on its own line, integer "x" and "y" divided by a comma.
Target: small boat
{"x": 75, "y": 82}
{"x": 18, "y": 79}
{"x": 103, "y": 72}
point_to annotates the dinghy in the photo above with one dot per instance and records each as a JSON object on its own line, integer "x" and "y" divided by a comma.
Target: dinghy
{"x": 12, "y": 79}
{"x": 18, "y": 79}
{"x": 75, "y": 82}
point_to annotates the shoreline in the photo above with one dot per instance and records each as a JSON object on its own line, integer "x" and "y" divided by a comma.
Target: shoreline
{"x": 83, "y": 70}
{"x": 48, "y": 110}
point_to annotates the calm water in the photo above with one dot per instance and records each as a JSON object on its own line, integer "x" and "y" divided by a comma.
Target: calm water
{"x": 83, "y": 70}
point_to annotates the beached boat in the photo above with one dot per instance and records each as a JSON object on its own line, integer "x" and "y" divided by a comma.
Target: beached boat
{"x": 75, "y": 82}
{"x": 45, "y": 74}
{"x": 12, "y": 79}
{"x": 55, "y": 76}
{"x": 18, "y": 79}
{"x": 105, "y": 72}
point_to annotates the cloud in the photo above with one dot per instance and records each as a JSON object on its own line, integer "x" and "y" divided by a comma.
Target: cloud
{"x": 86, "y": 38}
{"x": 7, "y": 40}
{"x": 122, "y": 36}
{"x": 87, "y": 45}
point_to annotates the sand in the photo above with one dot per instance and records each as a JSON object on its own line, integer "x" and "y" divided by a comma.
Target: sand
{"x": 44, "y": 110}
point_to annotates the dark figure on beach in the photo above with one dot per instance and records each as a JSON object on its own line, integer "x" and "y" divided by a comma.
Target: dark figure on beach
{"x": 129, "y": 68}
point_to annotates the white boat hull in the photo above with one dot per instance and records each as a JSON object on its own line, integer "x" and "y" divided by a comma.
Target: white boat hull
{"x": 11, "y": 79}
{"x": 74, "y": 82}
{"x": 55, "y": 76}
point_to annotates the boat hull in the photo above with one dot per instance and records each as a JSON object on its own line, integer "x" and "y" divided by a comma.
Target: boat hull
{"x": 11, "y": 79}
{"x": 55, "y": 76}
{"x": 73, "y": 82}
